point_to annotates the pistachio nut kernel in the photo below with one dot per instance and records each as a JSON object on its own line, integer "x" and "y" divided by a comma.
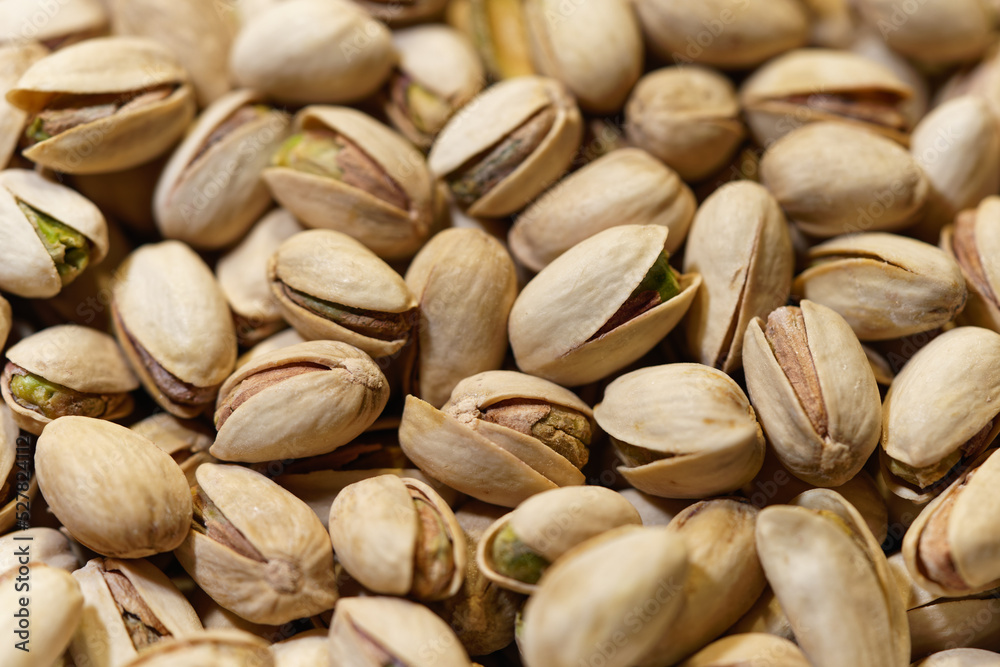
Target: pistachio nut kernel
{"x": 141, "y": 623}
{"x": 563, "y": 430}
{"x": 514, "y": 559}
{"x": 55, "y": 400}
{"x": 69, "y": 249}
{"x": 426, "y": 110}
{"x": 66, "y": 111}
{"x": 209, "y": 520}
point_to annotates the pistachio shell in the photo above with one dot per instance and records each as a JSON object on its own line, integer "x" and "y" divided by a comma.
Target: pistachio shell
{"x": 15, "y": 59}
{"x": 941, "y": 623}
{"x": 274, "y": 342}
{"x": 48, "y": 546}
{"x": 869, "y": 44}
{"x": 67, "y": 23}
{"x": 961, "y": 657}
{"x": 654, "y": 510}
{"x": 306, "y": 649}
{"x": 748, "y": 649}
{"x": 932, "y": 31}
{"x": 5, "y": 321}
{"x": 186, "y": 442}
{"x": 976, "y": 250}
{"x": 56, "y": 597}
{"x": 397, "y": 15}
{"x": 14, "y": 462}
{"x": 115, "y": 491}
{"x": 215, "y": 648}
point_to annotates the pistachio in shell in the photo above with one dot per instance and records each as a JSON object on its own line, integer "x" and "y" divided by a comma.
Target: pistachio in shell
{"x": 5, "y": 321}
{"x": 971, "y": 241}
{"x": 186, "y": 441}
{"x": 415, "y": 11}
{"x": 75, "y": 20}
{"x": 15, "y": 59}
{"x": 961, "y": 657}
{"x": 934, "y": 32}
{"x": 748, "y": 648}
{"x": 54, "y": 596}
{"x": 17, "y": 485}
{"x": 211, "y": 648}
{"x": 498, "y": 32}
{"x": 48, "y": 546}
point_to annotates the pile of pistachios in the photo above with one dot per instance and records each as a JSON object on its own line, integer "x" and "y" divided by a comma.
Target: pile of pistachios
{"x": 499, "y": 333}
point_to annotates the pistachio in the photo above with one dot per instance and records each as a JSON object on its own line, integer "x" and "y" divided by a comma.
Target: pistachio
{"x": 970, "y": 241}
{"x": 15, "y": 485}
{"x": 934, "y": 31}
{"x": 960, "y": 657}
{"x": 187, "y": 442}
{"x": 306, "y": 649}
{"x": 75, "y": 21}
{"x": 497, "y": 30}
{"x": 654, "y": 510}
{"x": 15, "y": 59}
{"x": 869, "y": 44}
{"x": 414, "y": 11}
{"x": 5, "y": 321}
{"x": 48, "y": 546}
{"x": 215, "y": 648}
{"x": 748, "y": 649}
{"x": 56, "y": 597}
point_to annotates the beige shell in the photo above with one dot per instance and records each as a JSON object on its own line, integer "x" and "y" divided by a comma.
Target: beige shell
{"x": 688, "y": 117}
{"x": 297, "y": 579}
{"x": 849, "y": 399}
{"x": 327, "y": 203}
{"x": 961, "y": 657}
{"x": 553, "y": 522}
{"x": 765, "y": 616}
{"x": 306, "y": 649}
{"x": 5, "y": 321}
{"x": 586, "y": 600}
{"x": 487, "y": 461}
{"x": 334, "y": 404}
{"x": 869, "y": 44}
{"x": 312, "y": 51}
{"x": 417, "y": 11}
{"x": 555, "y": 317}
{"x": 27, "y": 269}
{"x": 54, "y": 596}
{"x": 65, "y": 23}
{"x": 835, "y": 178}
{"x": 11, "y": 512}
{"x": 465, "y": 284}
{"x": 334, "y": 267}
{"x": 696, "y": 418}
{"x": 885, "y": 285}
{"x": 214, "y": 648}
{"x": 276, "y": 341}
{"x": 933, "y": 31}
{"x": 740, "y": 245}
{"x": 113, "y": 490}
{"x": 654, "y": 510}
{"x": 749, "y": 649}
{"x": 48, "y": 546}
{"x": 625, "y": 187}
{"x": 982, "y": 308}
{"x": 15, "y": 59}
{"x": 489, "y": 118}
{"x": 107, "y": 65}
{"x": 186, "y": 441}
{"x": 209, "y": 198}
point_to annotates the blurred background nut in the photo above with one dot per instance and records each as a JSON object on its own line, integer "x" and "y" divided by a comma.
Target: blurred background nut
{"x": 401, "y": 14}
{"x": 15, "y": 59}
{"x": 74, "y": 21}
{"x": 306, "y": 649}
{"x": 214, "y": 648}
{"x": 497, "y": 31}
{"x": 186, "y": 441}
{"x": 961, "y": 657}
{"x": 48, "y": 546}
{"x": 748, "y": 648}
{"x": 973, "y": 242}
{"x": 5, "y": 321}
{"x": 54, "y": 596}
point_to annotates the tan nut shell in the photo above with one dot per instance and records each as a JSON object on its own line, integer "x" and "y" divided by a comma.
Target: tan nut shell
{"x": 961, "y": 657}
{"x": 48, "y": 546}
{"x": 981, "y": 309}
{"x": 210, "y": 200}
{"x": 116, "y": 492}
{"x": 695, "y": 414}
{"x": 10, "y": 513}
{"x": 185, "y": 441}
{"x": 304, "y": 415}
{"x": 850, "y": 398}
{"x": 54, "y": 596}
{"x": 556, "y": 313}
{"x": 15, "y": 59}
{"x": 107, "y": 65}
{"x": 213, "y": 648}
{"x": 27, "y": 269}
{"x": 5, "y": 321}
{"x": 625, "y": 187}
{"x": 306, "y": 649}
{"x": 885, "y": 285}
{"x": 553, "y": 522}
{"x": 494, "y": 114}
{"x": 65, "y": 23}
{"x": 933, "y": 31}
{"x": 327, "y": 203}
{"x": 748, "y": 649}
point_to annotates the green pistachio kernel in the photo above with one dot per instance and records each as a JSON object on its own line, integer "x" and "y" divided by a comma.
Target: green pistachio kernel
{"x": 513, "y": 558}
{"x": 68, "y": 248}
{"x": 54, "y": 400}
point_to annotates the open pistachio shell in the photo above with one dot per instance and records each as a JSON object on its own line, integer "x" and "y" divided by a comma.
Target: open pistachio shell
{"x": 974, "y": 242}
{"x": 48, "y": 546}
{"x": 574, "y": 323}
{"x": 748, "y": 649}
{"x": 15, "y": 59}
{"x": 214, "y": 648}
{"x": 961, "y": 657}
{"x": 933, "y": 31}
{"x": 54, "y": 596}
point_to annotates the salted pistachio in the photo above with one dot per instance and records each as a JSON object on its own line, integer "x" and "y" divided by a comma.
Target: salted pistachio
{"x": 832, "y": 178}
{"x": 48, "y": 546}
{"x": 813, "y": 85}
{"x": 173, "y": 322}
{"x": 438, "y": 72}
{"x": 284, "y": 338}
{"x": 377, "y": 631}
{"x": 934, "y": 32}
{"x": 587, "y": 600}
{"x": 465, "y": 284}
{"x": 961, "y": 657}
{"x": 54, "y": 596}
{"x": 624, "y": 187}
{"x": 17, "y": 485}
{"x": 113, "y": 490}
{"x": 15, "y": 59}
{"x": 71, "y": 22}
{"x": 210, "y": 191}
{"x": 214, "y": 648}
{"x": 49, "y": 234}
{"x": 740, "y": 245}
{"x": 312, "y": 51}
{"x": 820, "y": 549}
{"x": 397, "y": 536}
{"x": 342, "y": 170}
{"x": 972, "y": 241}
{"x": 686, "y": 116}
{"x": 306, "y": 649}
{"x": 256, "y": 549}
{"x": 187, "y": 442}
{"x": 599, "y": 306}
{"x": 66, "y": 370}
{"x": 330, "y": 286}
{"x": 518, "y": 139}
{"x": 748, "y": 649}
{"x": 724, "y": 33}
{"x": 128, "y": 606}
{"x": 705, "y": 443}
{"x": 501, "y": 437}
{"x": 886, "y": 286}
{"x": 519, "y": 547}
{"x": 128, "y": 92}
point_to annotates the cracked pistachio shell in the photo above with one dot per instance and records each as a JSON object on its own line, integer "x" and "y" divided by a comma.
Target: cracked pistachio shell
{"x": 187, "y": 442}
{"x": 748, "y": 649}
{"x": 627, "y": 186}
{"x": 491, "y": 117}
{"x": 961, "y": 657}
{"x": 465, "y": 283}
{"x": 312, "y": 51}
{"x": 299, "y": 401}
{"x": 108, "y": 66}
{"x": 295, "y": 579}
{"x": 333, "y": 267}
{"x": 814, "y": 392}
{"x": 172, "y": 320}
{"x": 327, "y": 203}
{"x": 48, "y": 546}
{"x": 54, "y": 597}
{"x": 933, "y": 31}
{"x": 815, "y": 85}
{"x": 939, "y": 624}
{"x": 739, "y": 243}
{"x": 602, "y": 581}
{"x": 555, "y": 320}
{"x": 834, "y": 178}
{"x": 80, "y": 358}
{"x": 485, "y": 460}
{"x": 688, "y": 117}
{"x": 212, "y": 648}
{"x": 724, "y": 33}
{"x": 5, "y": 321}
{"x": 821, "y": 549}
{"x": 12, "y": 471}
{"x": 553, "y": 522}
{"x": 114, "y": 490}
{"x": 376, "y": 532}
{"x": 886, "y": 286}
{"x": 306, "y": 649}
{"x": 55, "y": 27}
{"x": 210, "y": 191}
{"x": 693, "y": 423}
{"x": 15, "y": 59}
{"x": 26, "y": 268}
{"x": 403, "y": 632}
{"x": 974, "y": 242}
{"x": 156, "y": 610}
